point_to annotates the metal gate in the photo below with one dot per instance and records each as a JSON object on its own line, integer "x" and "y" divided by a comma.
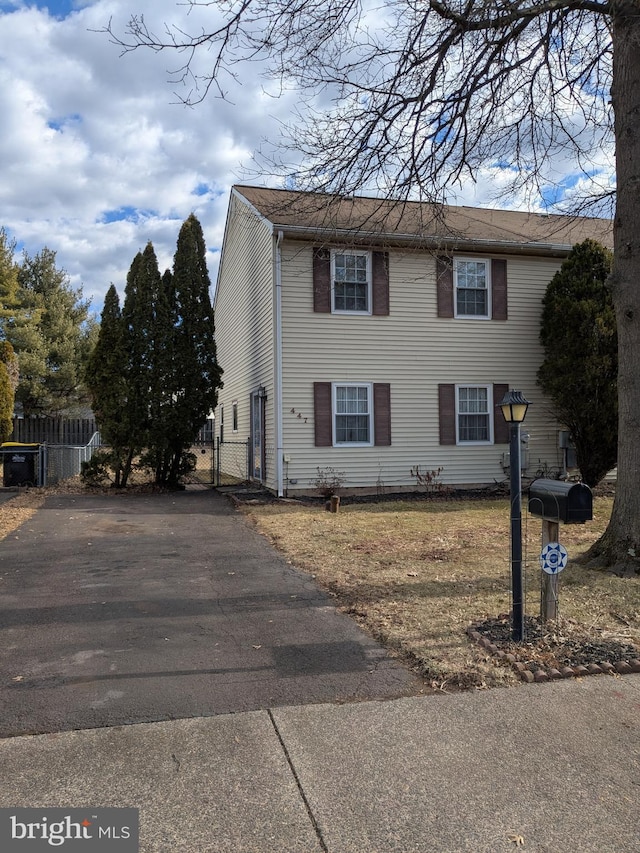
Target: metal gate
{"x": 232, "y": 462}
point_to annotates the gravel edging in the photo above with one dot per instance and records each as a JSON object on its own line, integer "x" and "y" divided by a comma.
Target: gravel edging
{"x": 529, "y": 676}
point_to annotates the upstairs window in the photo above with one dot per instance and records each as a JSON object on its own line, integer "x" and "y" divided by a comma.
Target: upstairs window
{"x": 351, "y": 282}
{"x": 472, "y": 288}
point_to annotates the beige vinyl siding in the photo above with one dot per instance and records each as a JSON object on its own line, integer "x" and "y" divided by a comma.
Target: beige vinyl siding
{"x": 414, "y": 351}
{"x": 244, "y": 316}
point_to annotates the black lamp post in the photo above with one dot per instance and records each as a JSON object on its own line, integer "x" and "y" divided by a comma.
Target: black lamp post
{"x": 514, "y": 408}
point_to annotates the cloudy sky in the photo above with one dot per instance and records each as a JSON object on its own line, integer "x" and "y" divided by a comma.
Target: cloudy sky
{"x": 97, "y": 155}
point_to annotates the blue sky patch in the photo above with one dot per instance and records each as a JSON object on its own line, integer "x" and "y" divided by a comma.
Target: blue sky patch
{"x": 59, "y": 124}
{"x": 553, "y": 194}
{"x": 56, "y": 8}
{"x": 128, "y": 214}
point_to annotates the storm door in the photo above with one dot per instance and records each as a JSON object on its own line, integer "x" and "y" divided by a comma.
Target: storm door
{"x": 257, "y": 435}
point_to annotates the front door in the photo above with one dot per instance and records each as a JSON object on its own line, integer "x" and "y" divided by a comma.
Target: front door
{"x": 257, "y": 436}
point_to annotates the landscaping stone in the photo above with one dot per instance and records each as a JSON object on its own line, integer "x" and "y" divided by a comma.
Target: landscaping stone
{"x": 576, "y": 654}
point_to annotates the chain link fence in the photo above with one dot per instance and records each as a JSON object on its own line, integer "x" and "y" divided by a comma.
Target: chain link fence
{"x": 232, "y": 462}
{"x": 64, "y": 462}
{"x": 203, "y": 474}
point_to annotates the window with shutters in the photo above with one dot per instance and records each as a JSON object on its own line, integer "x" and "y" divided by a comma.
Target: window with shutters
{"x": 347, "y": 414}
{"x": 472, "y": 288}
{"x": 352, "y": 410}
{"x": 474, "y": 421}
{"x": 472, "y": 283}
{"x": 351, "y": 282}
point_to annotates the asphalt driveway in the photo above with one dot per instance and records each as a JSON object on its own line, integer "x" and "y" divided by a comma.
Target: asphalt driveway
{"x": 125, "y": 609}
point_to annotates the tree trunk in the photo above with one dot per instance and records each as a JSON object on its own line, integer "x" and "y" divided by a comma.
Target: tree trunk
{"x": 619, "y": 547}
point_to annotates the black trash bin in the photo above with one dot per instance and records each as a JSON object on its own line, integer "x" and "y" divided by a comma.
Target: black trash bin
{"x": 20, "y": 464}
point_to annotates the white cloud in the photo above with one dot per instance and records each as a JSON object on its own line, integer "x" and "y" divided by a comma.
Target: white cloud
{"x": 98, "y": 157}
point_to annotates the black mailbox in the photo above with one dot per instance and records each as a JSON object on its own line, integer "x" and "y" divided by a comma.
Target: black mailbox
{"x": 556, "y": 500}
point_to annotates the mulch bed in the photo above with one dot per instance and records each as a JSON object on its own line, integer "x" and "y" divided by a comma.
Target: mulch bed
{"x": 554, "y": 650}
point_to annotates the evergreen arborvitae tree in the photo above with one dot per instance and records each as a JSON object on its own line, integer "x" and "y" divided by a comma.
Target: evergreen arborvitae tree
{"x": 580, "y": 367}
{"x": 159, "y": 453}
{"x": 154, "y": 374}
{"x": 106, "y": 381}
{"x": 138, "y": 316}
{"x": 194, "y": 371}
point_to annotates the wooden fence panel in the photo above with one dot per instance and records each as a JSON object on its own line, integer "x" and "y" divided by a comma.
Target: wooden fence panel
{"x": 69, "y": 431}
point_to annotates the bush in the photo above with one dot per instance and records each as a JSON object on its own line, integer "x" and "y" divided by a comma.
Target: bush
{"x": 97, "y": 471}
{"x": 429, "y": 480}
{"x": 328, "y": 482}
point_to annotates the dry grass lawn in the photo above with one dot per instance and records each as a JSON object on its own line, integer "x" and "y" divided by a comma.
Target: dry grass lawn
{"x": 415, "y": 574}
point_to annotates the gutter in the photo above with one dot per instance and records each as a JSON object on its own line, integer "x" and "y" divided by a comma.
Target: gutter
{"x": 461, "y": 244}
{"x": 277, "y": 385}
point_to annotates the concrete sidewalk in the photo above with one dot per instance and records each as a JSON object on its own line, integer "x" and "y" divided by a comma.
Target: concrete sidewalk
{"x": 556, "y": 765}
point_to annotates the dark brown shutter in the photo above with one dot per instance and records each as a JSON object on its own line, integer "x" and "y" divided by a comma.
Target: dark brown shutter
{"x": 382, "y": 414}
{"x": 444, "y": 285}
{"x": 447, "y": 413}
{"x": 322, "y": 414}
{"x": 322, "y": 281}
{"x": 500, "y": 426}
{"x": 498, "y": 289}
{"x": 380, "y": 283}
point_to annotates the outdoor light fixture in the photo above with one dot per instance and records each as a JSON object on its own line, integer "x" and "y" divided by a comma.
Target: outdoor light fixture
{"x": 514, "y": 408}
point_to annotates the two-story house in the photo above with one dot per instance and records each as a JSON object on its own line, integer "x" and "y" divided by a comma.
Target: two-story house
{"x": 370, "y": 337}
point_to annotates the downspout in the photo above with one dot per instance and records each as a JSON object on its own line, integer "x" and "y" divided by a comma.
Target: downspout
{"x": 277, "y": 402}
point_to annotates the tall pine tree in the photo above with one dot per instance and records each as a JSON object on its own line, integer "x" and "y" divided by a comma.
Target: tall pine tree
{"x": 10, "y": 306}
{"x": 52, "y": 338}
{"x": 9, "y": 378}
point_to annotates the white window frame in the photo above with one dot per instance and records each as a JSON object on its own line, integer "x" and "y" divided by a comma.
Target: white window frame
{"x": 487, "y": 266}
{"x": 358, "y": 253}
{"x": 489, "y": 413}
{"x": 334, "y": 413}
{"x": 234, "y": 416}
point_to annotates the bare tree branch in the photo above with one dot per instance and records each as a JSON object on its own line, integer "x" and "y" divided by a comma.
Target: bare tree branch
{"x": 408, "y": 97}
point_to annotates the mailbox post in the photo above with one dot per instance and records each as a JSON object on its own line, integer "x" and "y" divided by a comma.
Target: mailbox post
{"x": 556, "y": 501}
{"x": 549, "y": 590}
